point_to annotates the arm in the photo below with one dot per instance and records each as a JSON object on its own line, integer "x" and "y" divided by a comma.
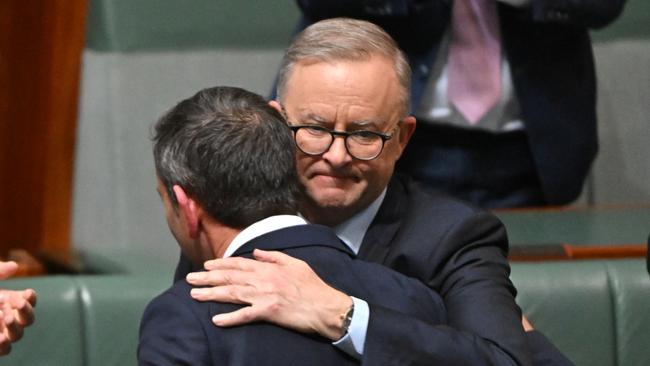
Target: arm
{"x": 16, "y": 310}
{"x": 322, "y": 9}
{"x": 463, "y": 258}
{"x": 280, "y": 289}
{"x": 550, "y": 356}
{"x": 582, "y": 13}
{"x": 276, "y": 296}
{"x": 170, "y": 334}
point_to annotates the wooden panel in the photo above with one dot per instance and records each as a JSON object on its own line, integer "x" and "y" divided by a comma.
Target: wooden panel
{"x": 547, "y": 252}
{"x": 40, "y": 56}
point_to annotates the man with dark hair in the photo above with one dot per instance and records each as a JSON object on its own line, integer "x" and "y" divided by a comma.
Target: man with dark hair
{"x": 226, "y": 175}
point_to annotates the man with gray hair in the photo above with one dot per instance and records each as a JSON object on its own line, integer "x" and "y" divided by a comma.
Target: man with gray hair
{"x": 225, "y": 162}
{"x": 344, "y": 90}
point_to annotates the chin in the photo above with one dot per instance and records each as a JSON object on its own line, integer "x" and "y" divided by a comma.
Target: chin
{"x": 333, "y": 199}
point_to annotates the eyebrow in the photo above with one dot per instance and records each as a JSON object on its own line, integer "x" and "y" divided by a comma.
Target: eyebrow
{"x": 362, "y": 124}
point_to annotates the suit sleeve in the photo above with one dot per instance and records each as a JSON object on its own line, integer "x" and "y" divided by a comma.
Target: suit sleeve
{"x": 582, "y": 13}
{"x": 183, "y": 267}
{"x": 484, "y": 323}
{"x": 551, "y": 357}
{"x": 170, "y": 334}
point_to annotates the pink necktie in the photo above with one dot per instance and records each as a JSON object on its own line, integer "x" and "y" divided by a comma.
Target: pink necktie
{"x": 474, "y": 58}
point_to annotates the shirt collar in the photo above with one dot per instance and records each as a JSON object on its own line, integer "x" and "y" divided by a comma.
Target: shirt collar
{"x": 260, "y": 228}
{"x": 352, "y": 230}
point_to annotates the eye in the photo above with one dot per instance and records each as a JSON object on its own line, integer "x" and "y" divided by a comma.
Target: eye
{"x": 364, "y": 137}
{"x": 316, "y": 131}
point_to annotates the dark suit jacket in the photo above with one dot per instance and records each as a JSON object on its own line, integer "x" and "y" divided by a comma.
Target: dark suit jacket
{"x": 549, "y": 51}
{"x": 176, "y": 330}
{"x": 461, "y": 253}
{"x": 458, "y": 251}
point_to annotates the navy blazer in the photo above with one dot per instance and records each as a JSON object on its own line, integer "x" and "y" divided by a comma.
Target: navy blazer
{"x": 177, "y": 330}
{"x": 551, "y": 60}
{"x": 461, "y": 253}
{"x": 456, "y": 250}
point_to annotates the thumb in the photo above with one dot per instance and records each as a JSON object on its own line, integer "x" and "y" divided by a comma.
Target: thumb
{"x": 7, "y": 269}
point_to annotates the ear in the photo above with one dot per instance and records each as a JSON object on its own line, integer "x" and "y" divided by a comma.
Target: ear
{"x": 188, "y": 210}
{"x": 407, "y": 127}
{"x": 275, "y": 104}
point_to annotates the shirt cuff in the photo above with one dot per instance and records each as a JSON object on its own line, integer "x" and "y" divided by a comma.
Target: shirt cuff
{"x": 353, "y": 341}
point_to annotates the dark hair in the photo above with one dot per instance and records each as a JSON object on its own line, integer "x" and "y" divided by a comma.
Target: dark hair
{"x": 230, "y": 151}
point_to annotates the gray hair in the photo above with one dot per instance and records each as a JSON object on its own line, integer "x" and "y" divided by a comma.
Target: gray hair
{"x": 345, "y": 39}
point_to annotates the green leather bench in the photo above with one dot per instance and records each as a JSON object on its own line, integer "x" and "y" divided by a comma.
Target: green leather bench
{"x": 596, "y": 312}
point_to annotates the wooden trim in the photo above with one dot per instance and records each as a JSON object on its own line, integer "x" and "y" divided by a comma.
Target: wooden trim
{"x": 40, "y": 62}
{"x": 563, "y": 251}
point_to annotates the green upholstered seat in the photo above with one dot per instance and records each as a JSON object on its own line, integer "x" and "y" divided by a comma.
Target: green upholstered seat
{"x": 631, "y": 299}
{"x": 112, "y": 307}
{"x": 570, "y": 302}
{"x": 596, "y": 312}
{"x": 57, "y": 336}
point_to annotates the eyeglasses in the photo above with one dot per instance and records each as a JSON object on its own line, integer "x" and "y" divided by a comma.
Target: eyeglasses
{"x": 316, "y": 140}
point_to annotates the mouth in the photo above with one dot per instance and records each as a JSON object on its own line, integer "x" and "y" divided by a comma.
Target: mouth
{"x": 330, "y": 178}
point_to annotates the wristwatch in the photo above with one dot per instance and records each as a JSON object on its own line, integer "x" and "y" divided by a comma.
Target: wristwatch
{"x": 346, "y": 319}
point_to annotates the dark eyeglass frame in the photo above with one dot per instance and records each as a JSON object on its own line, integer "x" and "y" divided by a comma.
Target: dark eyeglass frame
{"x": 333, "y": 133}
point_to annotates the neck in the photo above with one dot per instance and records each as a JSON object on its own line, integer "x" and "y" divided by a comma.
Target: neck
{"x": 216, "y": 237}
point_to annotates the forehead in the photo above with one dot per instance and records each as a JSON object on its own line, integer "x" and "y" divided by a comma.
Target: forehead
{"x": 343, "y": 91}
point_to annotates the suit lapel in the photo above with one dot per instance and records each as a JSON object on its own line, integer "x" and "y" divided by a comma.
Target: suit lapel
{"x": 377, "y": 241}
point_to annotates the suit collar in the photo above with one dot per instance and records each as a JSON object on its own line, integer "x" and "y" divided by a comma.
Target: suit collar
{"x": 384, "y": 227}
{"x": 353, "y": 230}
{"x": 295, "y": 237}
{"x": 262, "y": 227}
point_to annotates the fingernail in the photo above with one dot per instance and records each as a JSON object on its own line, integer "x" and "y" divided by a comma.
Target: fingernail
{"x": 217, "y": 319}
{"x": 198, "y": 292}
{"x": 194, "y": 276}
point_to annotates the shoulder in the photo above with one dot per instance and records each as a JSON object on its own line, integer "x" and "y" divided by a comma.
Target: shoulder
{"x": 437, "y": 234}
{"x": 393, "y": 290}
{"x": 430, "y": 209}
{"x": 177, "y": 296}
{"x": 172, "y": 329}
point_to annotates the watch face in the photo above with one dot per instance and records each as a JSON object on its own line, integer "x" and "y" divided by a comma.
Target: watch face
{"x": 347, "y": 319}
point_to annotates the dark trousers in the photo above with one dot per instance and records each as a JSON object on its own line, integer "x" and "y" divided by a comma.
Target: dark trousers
{"x": 490, "y": 170}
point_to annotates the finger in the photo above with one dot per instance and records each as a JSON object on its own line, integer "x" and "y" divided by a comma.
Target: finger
{"x": 273, "y": 257}
{"x": 528, "y": 326}
{"x": 242, "y": 316}
{"x": 24, "y": 314}
{"x": 239, "y": 263}
{"x": 5, "y": 344}
{"x": 13, "y": 330}
{"x": 218, "y": 278}
{"x": 229, "y": 294}
{"x": 30, "y": 296}
{"x": 7, "y": 269}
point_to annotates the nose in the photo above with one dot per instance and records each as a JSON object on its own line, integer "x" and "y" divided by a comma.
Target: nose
{"x": 337, "y": 155}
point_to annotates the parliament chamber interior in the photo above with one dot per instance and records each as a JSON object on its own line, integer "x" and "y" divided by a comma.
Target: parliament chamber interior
{"x": 85, "y": 223}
